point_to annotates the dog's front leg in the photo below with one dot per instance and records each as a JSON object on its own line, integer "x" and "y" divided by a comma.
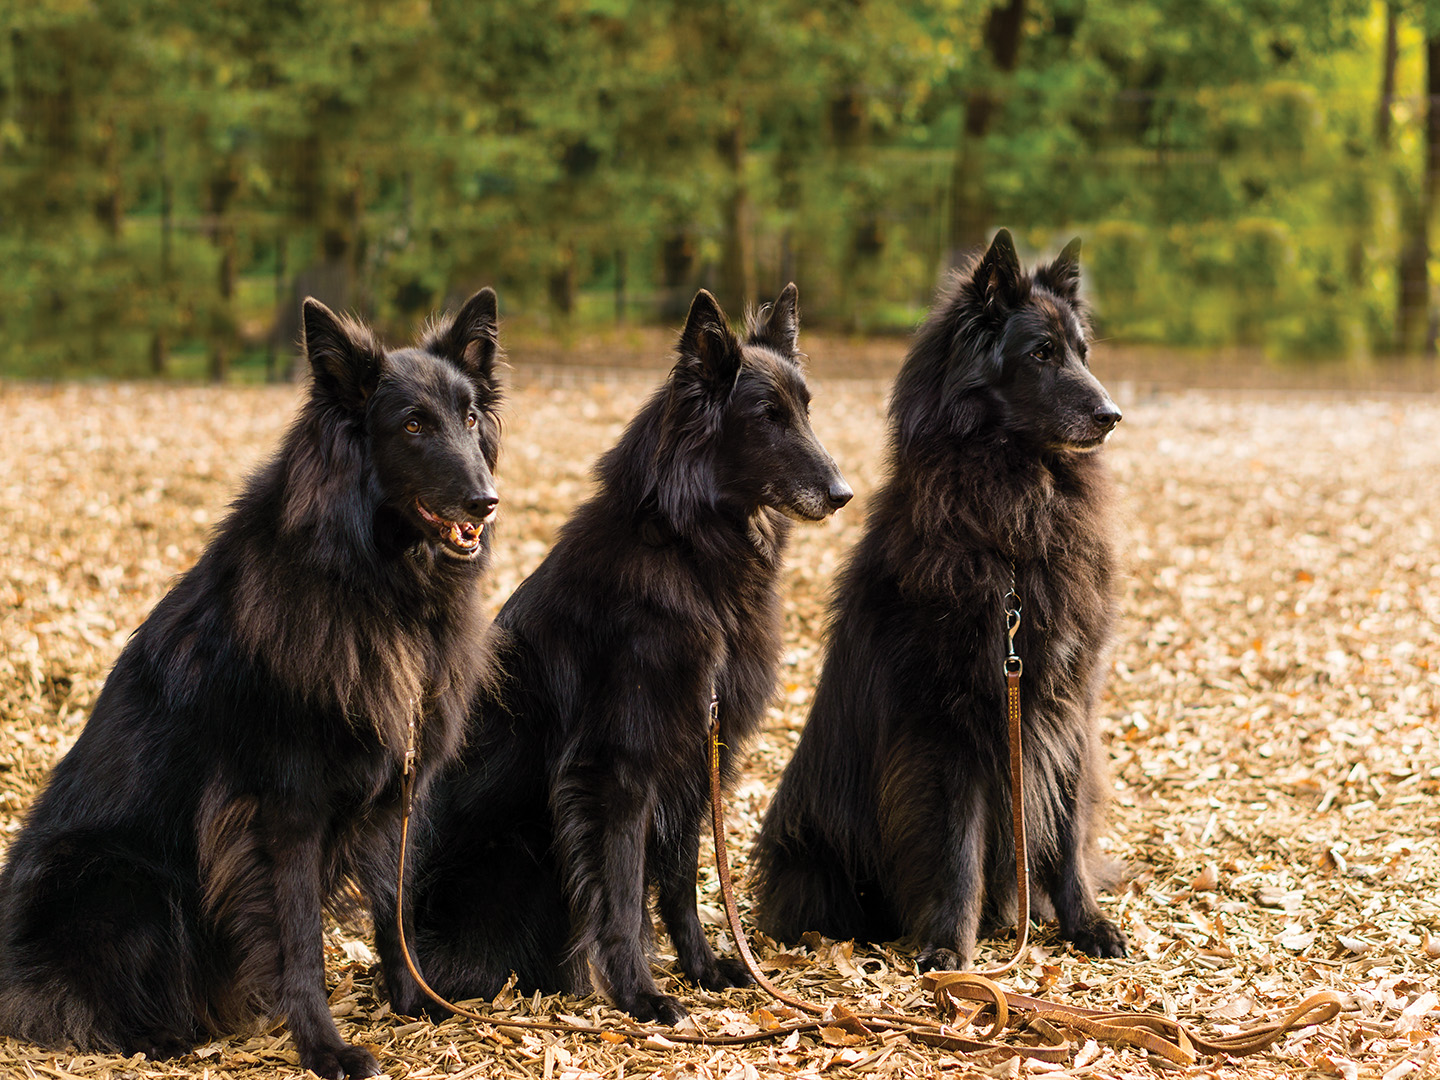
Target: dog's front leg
{"x": 297, "y": 861}
{"x": 1066, "y": 877}
{"x": 676, "y": 860}
{"x": 602, "y": 816}
{"x": 934, "y": 823}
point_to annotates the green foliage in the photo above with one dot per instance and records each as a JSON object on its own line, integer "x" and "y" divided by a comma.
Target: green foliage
{"x": 173, "y": 175}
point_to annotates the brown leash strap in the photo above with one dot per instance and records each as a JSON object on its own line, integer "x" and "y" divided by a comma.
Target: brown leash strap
{"x": 633, "y": 1033}
{"x": 614, "y": 1034}
{"x": 1013, "y": 667}
{"x": 1036, "y": 1023}
{"x": 1149, "y": 1031}
{"x": 1037, "y": 1020}
{"x": 727, "y": 886}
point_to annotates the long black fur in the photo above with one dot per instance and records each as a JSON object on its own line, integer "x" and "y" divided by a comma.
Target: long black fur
{"x": 244, "y": 756}
{"x": 893, "y": 817}
{"x": 583, "y": 781}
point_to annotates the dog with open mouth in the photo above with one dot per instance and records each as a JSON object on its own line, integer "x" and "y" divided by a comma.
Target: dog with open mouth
{"x": 245, "y": 755}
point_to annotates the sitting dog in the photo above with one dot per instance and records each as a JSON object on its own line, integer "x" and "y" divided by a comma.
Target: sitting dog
{"x": 245, "y": 754}
{"x": 584, "y": 780}
{"x": 893, "y": 818}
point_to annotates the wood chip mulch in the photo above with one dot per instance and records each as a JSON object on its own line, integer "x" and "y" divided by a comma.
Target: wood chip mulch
{"x": 1273, "y": 718}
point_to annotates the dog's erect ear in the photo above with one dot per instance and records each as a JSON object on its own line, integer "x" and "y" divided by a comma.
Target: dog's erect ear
{"x": 1062, "y": 276}
{"x": 709, "y": 345}
{"x": 472, "y": 340}
{"x": 778, "y": 326}
{"x": 344, "y": 355}
{"x": 999, "y": 281}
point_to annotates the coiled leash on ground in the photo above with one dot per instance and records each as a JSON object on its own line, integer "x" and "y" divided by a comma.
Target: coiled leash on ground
{"x": 961, "y": 997}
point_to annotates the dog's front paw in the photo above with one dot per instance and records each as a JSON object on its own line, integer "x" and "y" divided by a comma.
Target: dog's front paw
{"x": 166, "y": 1049}
{"x": 340, "y": 1062}
{"x": 1100, "y": 937}
{"x": 655, "y": 1008}
{"x": 725, "y": 973}
{"x": 408, "y": 1000}
{"x": 936, "y": 958}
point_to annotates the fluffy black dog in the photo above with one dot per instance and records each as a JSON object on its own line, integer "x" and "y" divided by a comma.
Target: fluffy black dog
{"x": 584, "y": 780}
{"x": 245, "y": 753}
{"x": 893, "y": 818}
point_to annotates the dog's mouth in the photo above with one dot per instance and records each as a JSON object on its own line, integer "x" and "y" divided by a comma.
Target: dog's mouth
{"x": 809, "y": 513}
{"x": 461, "y": 537}
{"x": 1085, "y": 446}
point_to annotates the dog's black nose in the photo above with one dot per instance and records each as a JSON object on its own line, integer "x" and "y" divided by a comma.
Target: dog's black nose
{"x": 480, "y": 507}
{"x": 1107, "y": 415}
{"x": 840, "y": 494}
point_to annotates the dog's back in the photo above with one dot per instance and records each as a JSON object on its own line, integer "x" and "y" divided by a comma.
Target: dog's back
{"x": 891, "y": 820}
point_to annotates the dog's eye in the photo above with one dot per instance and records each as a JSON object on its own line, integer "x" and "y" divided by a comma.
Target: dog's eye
{"x": 471, "y": 421}
{"x": 1041, "y": 354}
{"x": 412, "y": 426}
{"x": 774, "y": 413}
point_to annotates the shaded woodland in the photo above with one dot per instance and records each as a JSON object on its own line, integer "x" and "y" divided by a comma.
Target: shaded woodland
{"x": 175, "y": 175}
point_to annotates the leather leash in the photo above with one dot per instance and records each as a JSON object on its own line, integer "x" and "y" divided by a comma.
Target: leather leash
{"x": 1036, "y": 1021}
{"x": 1040, "y": 1019}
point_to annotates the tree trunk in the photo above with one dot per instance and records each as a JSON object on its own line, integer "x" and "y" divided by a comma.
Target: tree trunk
{"x": 1384, "y": 115}
{"x": 224, "y": 184}
{"x": 970, "y": 209}
{"x": 677, "y": 273}
{"x": 109, "y": 206}
{"x": 737, "y": 267}
{"x": 621, "y": 281}
{"x": 562, "y": 284}
{"x": 1414, "y": 331}
{"x": 1432, "y": 168}
{"x": 159, "y": 348}
{"x": 282, "y": 295}
{"x": 159, "y": 353}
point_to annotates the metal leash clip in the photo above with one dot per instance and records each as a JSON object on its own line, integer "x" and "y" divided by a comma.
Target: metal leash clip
{"x": 1013, "y": 664}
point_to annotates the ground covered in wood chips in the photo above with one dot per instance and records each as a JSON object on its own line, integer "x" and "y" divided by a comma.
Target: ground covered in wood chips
{"x": 1272, "y": 714}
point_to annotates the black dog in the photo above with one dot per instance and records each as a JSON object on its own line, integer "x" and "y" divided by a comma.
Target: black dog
{"x": 585, "y": 779}
{"x": 246, "y": 751}
{"x": 893, "y": 818}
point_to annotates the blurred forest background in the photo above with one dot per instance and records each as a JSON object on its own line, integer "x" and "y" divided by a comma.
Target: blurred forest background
{"x": 176, "y": 175}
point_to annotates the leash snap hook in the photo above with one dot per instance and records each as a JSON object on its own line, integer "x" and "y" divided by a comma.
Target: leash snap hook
{"x": 408, "y": 765}
{"x": 1013, "y": 664}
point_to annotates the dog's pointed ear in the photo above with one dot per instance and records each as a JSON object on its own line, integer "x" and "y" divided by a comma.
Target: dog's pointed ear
{"x": 472, "y": 340}
{"x": 1062, "y": 276}
{"x": 778, "y": 326}
{"x": 708, "y": 345}
{"x": 998, "y": 280}
{"x": 344, "y": 355}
